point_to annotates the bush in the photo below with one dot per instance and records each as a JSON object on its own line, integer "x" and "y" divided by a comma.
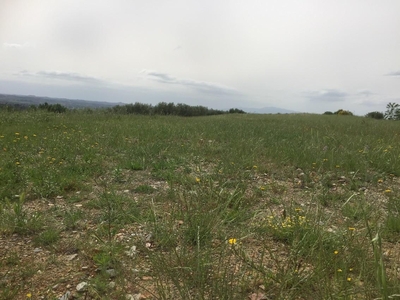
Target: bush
{"x": 375, "y": 115}
{"x": 342, "y": 112}
{"x": 328, "y": 113}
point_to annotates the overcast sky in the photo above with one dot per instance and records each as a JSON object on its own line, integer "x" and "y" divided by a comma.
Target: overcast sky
{"x": 308, "y": 56}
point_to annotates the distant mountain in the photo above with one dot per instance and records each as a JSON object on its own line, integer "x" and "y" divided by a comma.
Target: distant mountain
{"x": 24, "y": 101}
{"x": 268, "y": 110}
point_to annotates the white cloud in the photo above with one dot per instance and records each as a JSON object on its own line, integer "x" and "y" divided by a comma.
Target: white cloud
{"x": 326, "y": 95}
{"x": 63, "y": 76}
{"x": 202, "y": 86}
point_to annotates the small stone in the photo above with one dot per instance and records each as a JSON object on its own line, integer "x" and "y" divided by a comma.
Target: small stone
{"x": 147, "y": 278}
{"x": 65, "y": 296}
{"x": 111, "y": 272}
{"x": 111, "y": 285}
{"x": 126, "y": 191}
{"x": 131, "y": 252}
{"x": 71, "y": 257}
{"x": 85, "y": 268}
{"x": 54, "y": 286}
{"x": 81, "y": 287}
{"x": 133, "y": 297}
{"x": 37, "y": 250}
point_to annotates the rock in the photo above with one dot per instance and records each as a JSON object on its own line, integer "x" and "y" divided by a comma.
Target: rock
{"x": 81, "y": 287}
{"x": 65, "y": 296}
{"x": 111, "y": 285}
{"x": 111, "y": 272}
{"x": 37, "y": 250}
{"x": 71, "y": 257}
{"x": 133, "y": 297}
{"x": 131, "y": 252}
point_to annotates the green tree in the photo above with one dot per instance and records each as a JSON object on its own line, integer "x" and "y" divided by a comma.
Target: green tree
{"x": 392, "y": 111}
{"x": 375, "y": 115}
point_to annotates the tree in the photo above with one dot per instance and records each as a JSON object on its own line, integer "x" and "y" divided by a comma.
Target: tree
{"x": 342, "y": 112}
{"x": 375, "y": 115}
{"x": 392, "y": 111}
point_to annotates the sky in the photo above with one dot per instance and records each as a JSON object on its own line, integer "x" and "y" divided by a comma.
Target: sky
{"x": 307, "y": 56}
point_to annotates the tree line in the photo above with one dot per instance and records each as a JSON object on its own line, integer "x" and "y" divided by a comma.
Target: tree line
{"x": 137, "y": 108}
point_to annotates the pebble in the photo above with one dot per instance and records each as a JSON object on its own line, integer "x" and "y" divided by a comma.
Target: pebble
{"x": 37, "y": 250}
{"x": 131, "y": 252}
{"x": 111, "y": 272}
{"x": 81, "y": 287}
{"x": 133, "y": 297}
{"x": 65, "y": 296}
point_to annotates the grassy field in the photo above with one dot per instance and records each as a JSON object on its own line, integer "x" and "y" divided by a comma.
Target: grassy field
{"x": 222, "y": 207}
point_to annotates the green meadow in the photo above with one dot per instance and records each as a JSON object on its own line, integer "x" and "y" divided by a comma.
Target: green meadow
{"x": 231, "y": 206}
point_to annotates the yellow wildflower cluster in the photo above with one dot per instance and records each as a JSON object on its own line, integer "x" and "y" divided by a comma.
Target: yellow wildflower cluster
{"x": 286, "y": 223}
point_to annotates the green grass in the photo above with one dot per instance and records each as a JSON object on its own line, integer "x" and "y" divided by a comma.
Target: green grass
{"x": 224, "y": 207}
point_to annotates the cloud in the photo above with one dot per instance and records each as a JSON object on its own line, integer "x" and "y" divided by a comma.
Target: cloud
{"x": 64, "y": 76}
{"x": 396, "y": 73}
{"x": 16, "y": 46}
{"x": 202, "y": 86}
{"x": 326, "y": 95}
{"x": 365, "y": 93}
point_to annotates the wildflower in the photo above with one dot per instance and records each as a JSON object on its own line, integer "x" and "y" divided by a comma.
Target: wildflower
{"x": 348, "y": 279}
{"x": 17, "y": 133}
{"x": 352, "y": 228}
{"x": 325, "y": 159}
{"x": 197, "y": 179}
{"x": 298, "y": 209}
{"x": 337, "y": 166}
{"x": 388, "y": 191}
{"x": 29, "y": 295}
{"x": 232, "y": 241}
{"x": 17, "y": 163}
{"x": 262, "y": 188}
{"x": 340, "y": 270}
{"x": 336, "y": 252}
{"x": 255, "y": 167}
{"x": 380, "y": 180}
{"x": 34, "y": 134}
{"x": 351, "y": 269}
{"x": 1, "y": 136}
{"x": 26, "y": 137}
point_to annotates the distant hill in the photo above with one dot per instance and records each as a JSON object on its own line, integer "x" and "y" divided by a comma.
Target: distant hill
{"x": 268, "y": 110}
{"x": 26, "y": 101}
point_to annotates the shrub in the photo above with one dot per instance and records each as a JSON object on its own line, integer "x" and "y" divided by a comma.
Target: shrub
{"x": 342, "y": 112}
{"x": 328, "y": 113}
{"x": 375, "y": 115}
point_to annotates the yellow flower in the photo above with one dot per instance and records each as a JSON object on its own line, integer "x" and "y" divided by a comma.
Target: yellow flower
{"x": 380, "y": 180}
{"x": 388, "y": 191}
{"x": 262, "y": 188}
{"x": 17, "y": 133}
{"x": 337, "y": 166}
{"x": 255, "y": 167}
{"x": 29, "y": 295}
{"x": 197, "y": 179}
{"x": 335, "y": 252}
{"x": 232, "y": 241}
{"x": 348, "y": 279}
{"x": 339, "y": 270}
{"x": 352, "y": 228}
{"x": 17, "y": 163}
{"x": 34, "y": 134}
{"x": 26, "y": 137}
{"x": 325, "y": 159}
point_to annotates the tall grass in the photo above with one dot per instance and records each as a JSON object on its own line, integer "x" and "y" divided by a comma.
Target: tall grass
{"x": 223, "y": 207}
